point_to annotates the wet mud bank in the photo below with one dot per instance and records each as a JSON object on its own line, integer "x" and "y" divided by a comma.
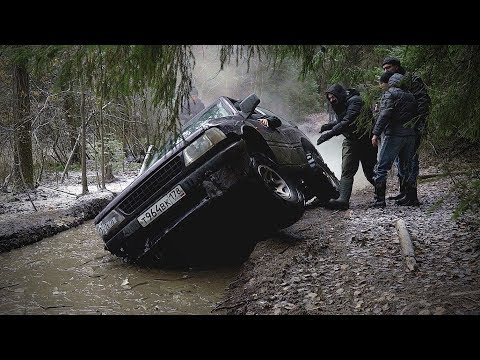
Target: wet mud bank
{"x": 18, "y": 229}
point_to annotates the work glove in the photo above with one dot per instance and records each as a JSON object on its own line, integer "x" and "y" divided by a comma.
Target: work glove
{"x": 323, "y": 138}
{"x": 326, "y": 127}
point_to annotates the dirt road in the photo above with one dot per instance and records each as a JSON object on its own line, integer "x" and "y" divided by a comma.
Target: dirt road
{"x": 350, "y": 262}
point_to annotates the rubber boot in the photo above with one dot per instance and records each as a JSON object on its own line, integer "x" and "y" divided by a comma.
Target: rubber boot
{"x": 379, "y": 195}
{"x": 411, "y": 197}
{"x": 343, "y": 201}
{"x": 402, "y": 193}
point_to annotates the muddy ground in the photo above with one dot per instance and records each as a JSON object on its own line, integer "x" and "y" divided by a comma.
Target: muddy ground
{"x": 351, "y": 262}
{"x": 54, "y": 206}
{"x": 328, "y": 263}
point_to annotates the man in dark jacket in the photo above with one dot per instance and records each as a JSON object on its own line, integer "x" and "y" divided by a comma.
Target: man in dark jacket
{"x": 191, "y": 107}
{"x": 398, "y": 108}
{"x": 356, "y": 147}
{"x": 417, "y": 87}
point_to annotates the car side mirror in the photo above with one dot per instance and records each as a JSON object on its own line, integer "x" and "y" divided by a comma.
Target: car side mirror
{"x": 248, "y": 105}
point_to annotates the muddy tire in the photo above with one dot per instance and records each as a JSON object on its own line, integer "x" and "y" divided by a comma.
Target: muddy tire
{"x": 320, "y": 180}
{"x": 284, "y": 200}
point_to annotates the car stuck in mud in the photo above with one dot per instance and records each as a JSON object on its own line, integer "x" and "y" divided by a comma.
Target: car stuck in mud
{"x": 212, "y": 191}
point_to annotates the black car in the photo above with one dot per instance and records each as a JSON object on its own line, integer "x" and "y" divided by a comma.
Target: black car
{"x": 210, "y": 193}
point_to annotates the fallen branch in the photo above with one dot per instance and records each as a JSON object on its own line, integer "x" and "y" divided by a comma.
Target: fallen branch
{"x": 141, "y": 283}
{"x": 66, "y": 192}
{"x": 406, "y": 245}
{"x": 217, "y": 308}
{"x": 428, "y": 176}
{"x": 175, "y": 279}
{"x": 54, "y": 306}
{"x": 288, "y": 247}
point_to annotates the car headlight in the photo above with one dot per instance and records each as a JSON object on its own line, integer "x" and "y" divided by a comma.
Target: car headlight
{"x": 201, "y": 145}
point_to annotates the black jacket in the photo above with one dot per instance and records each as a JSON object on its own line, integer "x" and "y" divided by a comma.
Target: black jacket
{"x": 398, "y": 109}
{"x": 348, "y": 109}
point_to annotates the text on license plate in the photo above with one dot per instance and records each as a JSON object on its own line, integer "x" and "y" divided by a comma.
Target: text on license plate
{"x": 161, "y": 205}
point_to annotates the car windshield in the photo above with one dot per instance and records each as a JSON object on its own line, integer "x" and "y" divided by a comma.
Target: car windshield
{"x": 214, "y": 111}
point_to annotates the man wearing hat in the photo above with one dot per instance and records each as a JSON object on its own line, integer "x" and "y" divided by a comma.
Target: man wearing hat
{"x": 398, "y": 107}
{"x": 408, "y": 191}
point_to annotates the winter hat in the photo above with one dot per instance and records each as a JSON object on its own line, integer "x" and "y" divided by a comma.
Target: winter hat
{"x": 391, "y": 60}
{"x": 386, "y": 76}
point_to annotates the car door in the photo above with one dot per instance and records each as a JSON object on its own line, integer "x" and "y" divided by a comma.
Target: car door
{"x": 284, "y": 141}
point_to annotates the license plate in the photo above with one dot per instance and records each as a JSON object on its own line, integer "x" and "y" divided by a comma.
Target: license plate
{"x": 161, "y": 205}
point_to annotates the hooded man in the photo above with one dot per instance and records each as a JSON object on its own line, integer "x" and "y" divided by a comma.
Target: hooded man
{"x": 417, "y": 87}
{"x": 356, "y": 147}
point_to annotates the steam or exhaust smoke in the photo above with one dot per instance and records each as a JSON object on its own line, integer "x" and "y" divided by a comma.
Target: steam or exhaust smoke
{"x": 281, "y": 91}
{"x": 331, "y": 150}
{"x": 236, "y": 82}
{"x": 211, "y": 82}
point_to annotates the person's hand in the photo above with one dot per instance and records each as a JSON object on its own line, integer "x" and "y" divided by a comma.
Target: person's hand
{"x": 322, "y": 138}
{"x": 375, "y": 140}
{"x": 264, "y": 122}
{"x": 326, "y": 127}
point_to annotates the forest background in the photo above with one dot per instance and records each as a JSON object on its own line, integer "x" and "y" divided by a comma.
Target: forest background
{"x": 65, "y": 107}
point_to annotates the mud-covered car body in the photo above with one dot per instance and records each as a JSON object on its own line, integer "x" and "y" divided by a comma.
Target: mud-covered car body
{"x": 224, "y": 171}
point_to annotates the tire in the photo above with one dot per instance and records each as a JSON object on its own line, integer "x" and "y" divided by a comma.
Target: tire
{"x": 280, "y": 194}
{"x": 320, "y": 180}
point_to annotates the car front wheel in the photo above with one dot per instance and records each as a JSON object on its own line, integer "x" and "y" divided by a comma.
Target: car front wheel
{"x": 320, "y": 180}
{"x": 285, "y": 202}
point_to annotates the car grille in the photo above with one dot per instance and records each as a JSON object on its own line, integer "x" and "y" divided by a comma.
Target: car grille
{"x": 161, "y": 177}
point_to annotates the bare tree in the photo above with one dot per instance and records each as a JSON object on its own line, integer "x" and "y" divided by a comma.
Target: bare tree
{"x": 23, "y": 125}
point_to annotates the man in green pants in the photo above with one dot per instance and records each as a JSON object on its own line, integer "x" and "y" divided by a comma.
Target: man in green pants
{"x": 356, "y": 148}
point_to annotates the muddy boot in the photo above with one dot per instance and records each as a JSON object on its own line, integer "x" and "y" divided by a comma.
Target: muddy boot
{"x": 379, "y": 195}
{"x": 411, "y": 198}
{"x": 343, "y": 201}
{"x": 402, "y": 193}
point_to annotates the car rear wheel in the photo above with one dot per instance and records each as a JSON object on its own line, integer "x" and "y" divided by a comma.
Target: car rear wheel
{"x": 320, "y": 180}
{"x": 285, "y": 202}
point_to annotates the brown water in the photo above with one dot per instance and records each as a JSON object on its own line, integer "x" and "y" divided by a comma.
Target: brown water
{"x": 71, "y": 273}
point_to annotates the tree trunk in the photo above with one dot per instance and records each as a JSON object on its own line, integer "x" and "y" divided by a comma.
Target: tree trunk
{"x": 102, "y": 147}
{"x": 69, "y": 108}
{"x": 84, "y": 145}
{"x": 70, "y": 158}
{"x": 23, "y": 121}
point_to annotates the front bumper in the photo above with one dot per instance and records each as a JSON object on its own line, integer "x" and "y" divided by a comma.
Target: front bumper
{"x": 227, "y": 169}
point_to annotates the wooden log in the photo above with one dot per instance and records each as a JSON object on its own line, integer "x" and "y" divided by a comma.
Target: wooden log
{"x": 406, "y": 244}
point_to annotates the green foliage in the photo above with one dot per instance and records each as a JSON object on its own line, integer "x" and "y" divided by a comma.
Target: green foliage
{"x": 469, "y": 194}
